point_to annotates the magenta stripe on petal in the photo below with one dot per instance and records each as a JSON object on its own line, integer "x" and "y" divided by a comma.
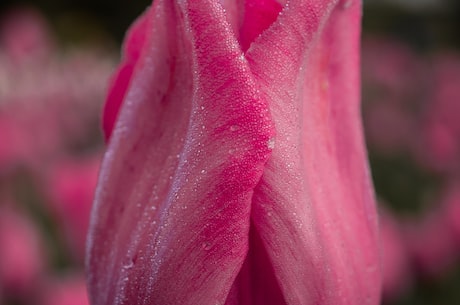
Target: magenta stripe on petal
{"x": 172, "y": 209}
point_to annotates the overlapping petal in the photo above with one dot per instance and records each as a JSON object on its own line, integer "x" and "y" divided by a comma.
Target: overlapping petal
{"x": 172, "y": 210}
{"x": 189, "y": 210}
{"x": 314, "y": 208}
{"x": 121, "y": 80}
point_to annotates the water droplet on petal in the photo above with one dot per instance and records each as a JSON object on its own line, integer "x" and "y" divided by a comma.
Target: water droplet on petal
{"x": 271, "y": 143}
{"x": 346, "y": 4}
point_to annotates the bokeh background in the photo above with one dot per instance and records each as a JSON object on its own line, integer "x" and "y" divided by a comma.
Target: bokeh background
{"x": 56, "y": 58}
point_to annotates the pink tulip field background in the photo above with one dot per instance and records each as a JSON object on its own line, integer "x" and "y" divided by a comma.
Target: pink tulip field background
{"x": 56, "y": 62}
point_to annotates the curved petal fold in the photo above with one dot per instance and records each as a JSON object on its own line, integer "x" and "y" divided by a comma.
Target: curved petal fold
{"x": 314, "y": 208}
{"x": 172, "y": 208}
{"x": 121, "y": 79}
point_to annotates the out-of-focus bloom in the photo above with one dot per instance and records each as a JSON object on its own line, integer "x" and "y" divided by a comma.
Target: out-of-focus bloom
{"x": 433, "y": 240}
{"x": 70, "y": 290}
{"x": 59, "y": 96}
{"x": 71, "y": 186}
{"x": 391, "y": 86}
{"x": 397, "y": 269}
{"x": 236, "y": 172}
{"x": 22, "y": 257}
{"x": 50, "y": 102}
{"x": 441, "y": 127}
{"x": 451, "y": 207}
{"x": 25, "y": 37}
{"x": 409, "y": 111}
{"x": 431, "y": 244}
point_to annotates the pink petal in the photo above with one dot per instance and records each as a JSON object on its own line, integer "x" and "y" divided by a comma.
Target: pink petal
{"x": 172, "y": 210}
{"x": 121, "y": 79}
{"x": 314, "y": 208}
{"x": 258, "y": 16}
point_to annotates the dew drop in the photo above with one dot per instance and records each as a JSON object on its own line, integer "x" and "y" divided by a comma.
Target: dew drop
{"x": 271, "y": 143}
{"x": 206, "y": 246}
{"x": 128, "y": 265}
{"x": 346, "y": 4}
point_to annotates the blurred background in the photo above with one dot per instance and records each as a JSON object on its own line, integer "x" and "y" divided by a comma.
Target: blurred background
{"x": 56, "y": 58}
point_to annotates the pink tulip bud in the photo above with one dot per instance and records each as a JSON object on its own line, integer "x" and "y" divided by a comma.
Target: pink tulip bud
{"x": 236, "y": 171}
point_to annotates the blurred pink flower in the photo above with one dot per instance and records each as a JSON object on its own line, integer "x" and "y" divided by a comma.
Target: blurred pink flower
{"x": 410, "y": 105}
{"x": 50, "y": 101}
{"x": 397, "y": 269}
{"x": 24, "y": 35}
{"x": 451, "y": 208}
{"x": 199, "y": 202}
{"x": 60, "y": 94}
{"x": 22, "y": 257}
{"x": 71, "y": 186}
{"x": 67, "y": 290}
{"x": 440, "y": 136}
{"x": 431, "y": 244}
{"x": 392, "y": 77}
{"x": 389, "y": 129}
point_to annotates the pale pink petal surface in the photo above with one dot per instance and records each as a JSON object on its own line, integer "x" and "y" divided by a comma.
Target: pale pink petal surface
{"x": 314, "y": 207}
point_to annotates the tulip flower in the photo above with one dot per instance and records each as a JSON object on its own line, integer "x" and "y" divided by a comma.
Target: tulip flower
{"x": 236, "y": 171}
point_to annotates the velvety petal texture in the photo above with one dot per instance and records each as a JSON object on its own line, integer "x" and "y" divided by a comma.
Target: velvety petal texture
{"x": 314, "y": 208}
{"x": 236, "y": 172}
